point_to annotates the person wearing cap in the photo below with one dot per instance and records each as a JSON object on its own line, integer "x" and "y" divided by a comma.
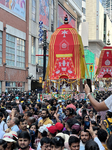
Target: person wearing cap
{"x": 11, "y": 143}
{"x": 15, "y": 136}
{"x": 60, "y": 102}
{"x": 66, "y": 138}
{"x": 59, "y": 126}
{"x": 51, "y": 131}
{"x": 76, "y": 128}
{"x": 24, "y": 141}
{"x": 42, "y": 132}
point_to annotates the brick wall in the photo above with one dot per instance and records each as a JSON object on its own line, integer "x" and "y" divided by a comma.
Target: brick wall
{"x": 13, "y": 74}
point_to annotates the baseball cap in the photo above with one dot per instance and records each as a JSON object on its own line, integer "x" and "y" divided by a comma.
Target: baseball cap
{"x": 76, "y": 127}
{"x": 14, "y": 134}
{"x": 59, "y": 126}
{"x": 42, "y": 129}
{"x": 52, "y": 129}
{"x": 8, "y": 137}
{"x": 59, "y": 101}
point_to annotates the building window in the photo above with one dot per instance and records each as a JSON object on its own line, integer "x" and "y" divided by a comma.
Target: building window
{"x": 52, "y": 15}
{"x": 0, "y": 87}
{"x": 14, "y": 86}
{"x": 34, "y": 10}
{"x": 15, "y": 51}
{"x": 84, "y": 20}
{"x": 0, "y": 47}
{"x": 40, "y": 58}
{"x": 33, "y": 51}
{"x": 84, "y": 10}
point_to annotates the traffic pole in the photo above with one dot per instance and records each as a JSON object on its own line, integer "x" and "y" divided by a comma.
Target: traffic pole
{"x": 44, "y": 56}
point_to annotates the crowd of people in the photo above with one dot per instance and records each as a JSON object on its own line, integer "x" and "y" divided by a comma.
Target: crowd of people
{"x": 55, "y": 124}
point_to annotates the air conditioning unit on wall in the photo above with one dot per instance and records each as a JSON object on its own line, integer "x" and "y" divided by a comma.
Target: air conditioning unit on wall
{"x": 40, "y": 70}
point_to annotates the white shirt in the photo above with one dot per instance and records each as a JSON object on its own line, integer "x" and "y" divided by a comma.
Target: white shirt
{"x": 82, "y": 146}
{"x": 99, "y": 143}
{"x": 1, "y": 134}
{"x": 108, "y": 102}
{"x": 3, "y": 126}
{"x": 39, "y": 146}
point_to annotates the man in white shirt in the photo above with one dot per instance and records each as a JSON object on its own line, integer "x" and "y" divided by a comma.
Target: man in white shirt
{"x": 85, "y": 136}
{"x": 3, "y": 125}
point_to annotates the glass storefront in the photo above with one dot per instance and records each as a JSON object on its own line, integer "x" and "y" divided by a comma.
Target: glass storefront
{"x": 14, "y": 86}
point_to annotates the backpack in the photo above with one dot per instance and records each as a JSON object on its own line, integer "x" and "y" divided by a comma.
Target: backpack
{"x": 110, "y": 125}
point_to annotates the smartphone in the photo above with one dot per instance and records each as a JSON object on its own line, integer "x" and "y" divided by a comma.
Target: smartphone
{"x": 98, "y": 119}
{"x": 86, "y": 125}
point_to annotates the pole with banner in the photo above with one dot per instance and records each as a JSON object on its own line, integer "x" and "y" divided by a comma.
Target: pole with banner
{"x": 44, "y": 56}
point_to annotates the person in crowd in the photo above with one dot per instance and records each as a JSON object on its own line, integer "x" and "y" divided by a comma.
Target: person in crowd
{"x": 3, "y": 125}
{"x": 59, "y": 126}
{"x": 105, "y": 105}
{"x": 31, "y": 120}
{"x": 42, "y": 132}
{"x": 74, "y": 143}
{"x": 14, "y": 122}
{"x": 45, "y": 119}
{"x": 91, "y": 145}
{"x": 102, "y": 136}
{"x": 59, "y": 143}
{"x": 45, "y": 143}
{"x": 24, "y": 141}
{"x": 108, "y": 120}
{"x": 72, "y": 105}
{"x": 39, "y": 113}
{"x": 3, "y": 144}
{"x": 69, "y": 114}
{"x": 11, "y": 143}
{"x": 52, "y": 131}
{"x": 76, "y": 128}
{"x": 109, "y": 142}
{"x": 68, "y": 125}
{"x": 27, "y": 115}
{"x": 54, "y": 117}
{"x": 84, "y": 137}
{"x": 91, "y": 115}
{"x": 56, "y": 121}
{"x": 23, "y": 127}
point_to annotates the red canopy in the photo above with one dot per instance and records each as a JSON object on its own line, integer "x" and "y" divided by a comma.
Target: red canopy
{"x": 66, "y": 54}
{"x": 105, "y": 63}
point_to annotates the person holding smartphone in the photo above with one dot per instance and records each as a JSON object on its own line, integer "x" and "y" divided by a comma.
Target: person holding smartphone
{"x": 105, "y": 105}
